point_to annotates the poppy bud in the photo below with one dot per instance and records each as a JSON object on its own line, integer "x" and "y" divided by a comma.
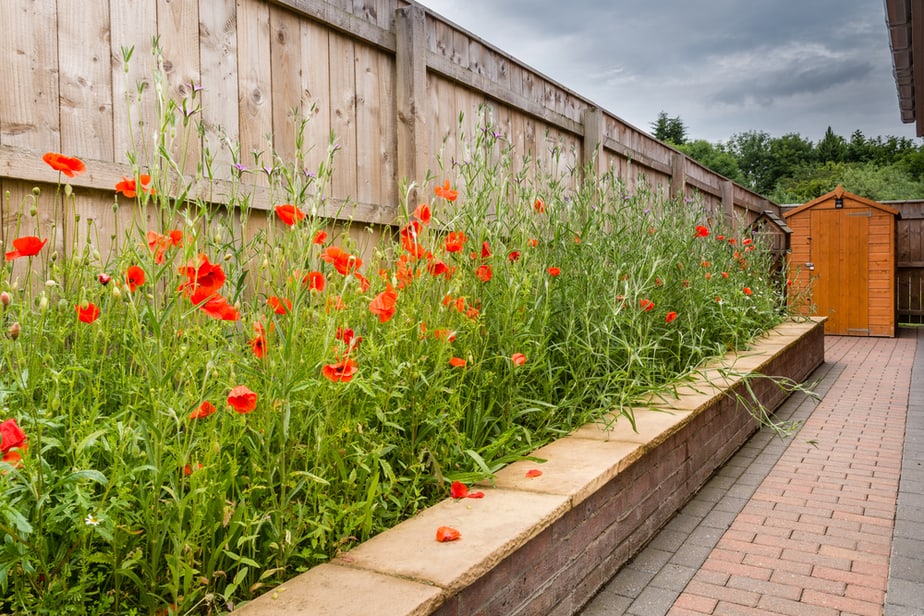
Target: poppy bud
{"x": 43, "y": 302}
{"x": 116, "y": 293}
{"x": 36, "y": 191}
{"x": 68, "y": 190}
{"x": 14, "y": 330}
{"x": 5, "y": 298}
{"x": 33, "y": 211}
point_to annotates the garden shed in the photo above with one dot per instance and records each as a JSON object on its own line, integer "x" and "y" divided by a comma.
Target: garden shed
{"x": 842, "y": 264}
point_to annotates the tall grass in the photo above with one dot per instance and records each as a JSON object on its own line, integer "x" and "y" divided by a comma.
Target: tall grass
{"x": 561, "y": 305}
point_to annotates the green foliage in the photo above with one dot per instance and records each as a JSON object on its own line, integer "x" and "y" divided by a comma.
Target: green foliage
{"x": 670, "y": 130}
{"x": 130, "y": 498}
{"x": 791, "y": 169}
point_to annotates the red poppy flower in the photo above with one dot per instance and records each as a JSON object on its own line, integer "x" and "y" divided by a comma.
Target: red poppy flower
{"x": 409, "y": 240}
{"x": 460, "y": 490}
{"x": 134, "y": 277}
{"x": 484, "y": 273}
{"x": 203, "y": 278}
{"x": 444, "y": 334}
{"x": 646, "y": 304}
{"x": 315, "y": 281}
{"x": 11, "y": 437}
{"x": 746, "y": 242}
{"x": 457, "y": 362}
{"x": 445, "y": 192}
{"x": 258, "y": 346}
{"x": 319, "y": 238}
{"x": 423, "y": 214}
{"x": 670, "y": 316}
{"x": 242, "y": 399}
{"x": 455, "y": 241}
{"x": 27, "y": 246}
{"x": 747, "y": 291}
{"x": 348, "y": 337}
{"x": 518, "y": 359}
{"x": 218, "y": 307}
{"x": 342, "y": 261}
{"x": 340, "y": 372}
{"x": 701, "y": 231}
{"x": 514, "y": 256}
{"x": 485, "y": 250}
{"x": 188, "y": 469}
{"x": 438, "y": 268}
{"x": 159, "y": 243}
{"x": 383, "y": 305}
{"x": 539, "y": 206}
{"x": 554, "y": 271}
{"x": 87, "y": 313}
{"x": 129, "y": 188}
{"x": 532, "y": 242}
{"x": 289, "y": 214}
{"x": 104, "y": 278}
{"x": 279, "y": 306}
{"x": 533, "y": 473}
{"x": 724, "y": 274}
{"x": 65, "y": 164}
{"x": 335, "y": 302}
{"x": 203, "y": 410}
{"x": 446, "y": 533}
{"x": 705, "y": 264}
{"x": 363, "y": 282}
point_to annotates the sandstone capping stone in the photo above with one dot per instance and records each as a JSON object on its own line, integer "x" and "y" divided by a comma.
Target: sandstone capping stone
{"x": 553, "y": 540}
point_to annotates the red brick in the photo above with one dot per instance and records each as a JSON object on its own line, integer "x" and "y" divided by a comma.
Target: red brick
{"x": 845, "y": 604}
{"x": 694, "y": 603}
{"x": 722, "y": 593}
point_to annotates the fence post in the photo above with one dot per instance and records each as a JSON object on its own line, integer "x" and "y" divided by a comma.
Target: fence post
{"x": 411, "y": 93}
{"x": 728, "y": 202}
{"x": 592, "y": 145}
{"x": 678, "y": 175}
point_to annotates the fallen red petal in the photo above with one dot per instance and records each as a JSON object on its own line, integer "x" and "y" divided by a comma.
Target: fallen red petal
{"x": 446, "y": 533}
{"x": 533, "y": 472}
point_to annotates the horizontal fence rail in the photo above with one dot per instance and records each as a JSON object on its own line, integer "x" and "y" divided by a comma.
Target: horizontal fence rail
{"x": 388, "y": 79}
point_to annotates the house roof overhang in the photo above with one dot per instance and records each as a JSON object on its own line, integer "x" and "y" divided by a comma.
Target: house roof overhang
{"x": 905, "y": 20}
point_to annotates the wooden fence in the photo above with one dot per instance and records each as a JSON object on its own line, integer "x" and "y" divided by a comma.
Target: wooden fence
{"x": 909, "y": 261}
{"x": 388, "y": 78}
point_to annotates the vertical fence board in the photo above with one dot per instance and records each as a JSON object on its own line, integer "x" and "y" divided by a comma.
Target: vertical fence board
{"x": 315, "y": 54}
{"x": 343, "y": 114}
{"x": 218, "y": 57}
{"x": 29, "y": 75}
{"x": 178, "y": 31}
{"x": 285, "y": 57}
{"x": 85, "y": 78}
{"x": 254, "y": 89}
{"x": 133, "y": 25}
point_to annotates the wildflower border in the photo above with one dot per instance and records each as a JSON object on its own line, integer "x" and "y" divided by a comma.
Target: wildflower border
{"x": 545, "y": 543}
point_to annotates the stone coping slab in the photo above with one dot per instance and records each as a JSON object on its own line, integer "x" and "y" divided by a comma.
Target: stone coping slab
{"x": 404, "y": 571}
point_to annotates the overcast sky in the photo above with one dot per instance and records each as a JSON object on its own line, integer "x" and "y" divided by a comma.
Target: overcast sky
{"x": 722, "y": 66}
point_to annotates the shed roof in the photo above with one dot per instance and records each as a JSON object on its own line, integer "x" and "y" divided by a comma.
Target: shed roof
{"x": 840, "y": 192}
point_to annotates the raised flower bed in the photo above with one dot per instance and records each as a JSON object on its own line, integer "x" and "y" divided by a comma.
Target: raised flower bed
{"x": 545, "y": 544}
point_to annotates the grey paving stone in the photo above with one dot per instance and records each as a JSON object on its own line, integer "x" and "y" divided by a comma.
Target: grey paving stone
{"x": 706, "y": 536}
{"x": 674, "y": 577}
{"x": 629, "y": 582}
{"x": 651, "y": 559}
{"x": 653, "y": 602}
{"x": 668, "y": 539}
{"x": 903, "y": 592}
{"x": 907, "y": 567}
{"x": 720, "y": 519}
{"x": 607, "y": 603}
{"x": 690, "y": 555}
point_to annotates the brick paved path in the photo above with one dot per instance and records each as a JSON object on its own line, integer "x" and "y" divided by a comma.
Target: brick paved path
{"x": 804, "y": 526}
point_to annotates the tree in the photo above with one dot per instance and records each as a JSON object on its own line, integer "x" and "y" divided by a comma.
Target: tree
{"x": 752, "y": 150}
{"x": 831, "y": 148}
{"x": 670, "y": 130}
{"x": 715, "y": 157}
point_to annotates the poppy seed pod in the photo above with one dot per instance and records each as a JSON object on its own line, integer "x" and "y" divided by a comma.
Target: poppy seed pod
{"x": 14, "y": 330}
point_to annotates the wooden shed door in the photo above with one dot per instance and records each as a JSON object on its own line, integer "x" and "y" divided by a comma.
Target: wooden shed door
{"x": 840, "y": 252}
